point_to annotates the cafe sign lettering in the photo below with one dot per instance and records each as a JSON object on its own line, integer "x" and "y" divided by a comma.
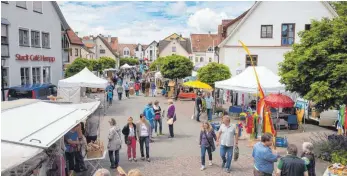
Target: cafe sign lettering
{"x": 34, "y": 58}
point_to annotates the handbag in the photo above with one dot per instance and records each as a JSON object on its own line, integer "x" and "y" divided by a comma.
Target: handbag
{"x": 213, "y": 147}
{"x": 127, "y": 141}
{"x": 170, "y": 121}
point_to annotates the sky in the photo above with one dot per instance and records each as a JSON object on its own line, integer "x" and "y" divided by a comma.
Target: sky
{"x": 145, "y": 21}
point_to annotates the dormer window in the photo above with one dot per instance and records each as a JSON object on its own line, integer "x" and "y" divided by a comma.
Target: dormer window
{"x": 210, "y": 49}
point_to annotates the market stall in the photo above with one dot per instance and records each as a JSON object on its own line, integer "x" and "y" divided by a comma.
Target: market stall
{"x": 126, "y": 66}
{"x": 29, "y": 135}
{"x": 71, "y": 89}
{"x": 195, "y": 85}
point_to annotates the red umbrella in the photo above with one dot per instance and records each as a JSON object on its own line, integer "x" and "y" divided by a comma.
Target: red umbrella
{"x": 279, "y": 101}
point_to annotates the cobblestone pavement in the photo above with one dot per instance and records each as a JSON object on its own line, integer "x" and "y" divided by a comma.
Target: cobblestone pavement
{"x": 181, "y": 156}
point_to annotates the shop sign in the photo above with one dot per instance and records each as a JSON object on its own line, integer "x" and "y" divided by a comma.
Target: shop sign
{"x": 35, "y": 58}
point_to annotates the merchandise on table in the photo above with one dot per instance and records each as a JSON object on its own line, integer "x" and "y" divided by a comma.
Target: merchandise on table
{"x": 337, "y": 169}
{"x": 95, "y": 149}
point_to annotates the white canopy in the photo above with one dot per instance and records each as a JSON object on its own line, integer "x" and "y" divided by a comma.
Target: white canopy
{"x": 158, "y": 75}
{"x": 84, "y": 78}
{"x": 126, "y": 66}
{"x": 246, "y": 81}
{"x": 27, "y": 129}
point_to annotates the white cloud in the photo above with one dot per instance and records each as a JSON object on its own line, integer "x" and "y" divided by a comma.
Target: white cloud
{"x": 206, "y": 20}
{"x": 177, "y": 8}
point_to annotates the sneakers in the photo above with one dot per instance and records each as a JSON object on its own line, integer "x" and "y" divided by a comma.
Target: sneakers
{"x": 161, "y": 134}
{"x": 135, "y": 159}
{"x": 210, "y": 163}
{"x": 148, "y": 160}
{"x": 223, "y": 164}
{"x": 130, "y": 159}
{"x": 202, "y": 168}
{"x": 226, "y": 170}
{"x": 142, "y": 158}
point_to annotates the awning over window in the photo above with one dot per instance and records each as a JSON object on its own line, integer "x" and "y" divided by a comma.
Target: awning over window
{"x": 5, "y": 21}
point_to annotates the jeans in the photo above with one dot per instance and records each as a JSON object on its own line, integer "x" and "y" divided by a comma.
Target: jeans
{"x": 171, "y": 130}
{"x": 110, "y": 101}
{"x": 198, "y": 114}
{"x": 127, "y": 93}
{"x": 153, "y": 92}
{"x": 114, "y": 159}
{"x": 209, "y": 114}
{"x": 226, "y": 160}
{"x": 259, "y": 173}
{"x": 156, "y": 122}
{"x": 203, "y": 151}
{"x": 120, "y": 96}
{"x": 152, "y": 123}
{"x": 144, "y": 140}
{"x": 132, "y": 147}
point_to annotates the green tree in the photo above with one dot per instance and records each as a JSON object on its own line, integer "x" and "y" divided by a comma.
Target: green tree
{"x": 76, "y": 66}
{"x": 176, "y": 67}
{"x": 156, "y": 64}
{"x": 129, "y": 61}
{"x": 316, "y": 68}
{"x": 340, "y": 7}
{"x": 213, "y": 72}
{"x": 107, "y": 62}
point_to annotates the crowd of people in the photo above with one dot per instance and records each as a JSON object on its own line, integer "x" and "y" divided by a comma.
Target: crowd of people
{"x": 141, "y": 131}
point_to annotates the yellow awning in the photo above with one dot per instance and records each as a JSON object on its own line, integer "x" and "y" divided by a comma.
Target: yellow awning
{"x": 197, "y": 84}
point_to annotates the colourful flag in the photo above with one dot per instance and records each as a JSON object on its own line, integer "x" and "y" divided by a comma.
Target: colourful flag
{"x": 267, "y": 122}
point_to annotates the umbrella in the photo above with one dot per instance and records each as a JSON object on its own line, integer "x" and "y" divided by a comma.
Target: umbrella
{"x": 279, "y": 101}
{"x": 197, "y": 84}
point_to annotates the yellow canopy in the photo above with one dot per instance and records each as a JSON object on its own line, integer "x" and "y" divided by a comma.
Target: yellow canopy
{"x": 197, "y": 84}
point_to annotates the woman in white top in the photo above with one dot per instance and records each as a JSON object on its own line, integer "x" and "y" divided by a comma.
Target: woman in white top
{"x": 143, "y": 132}
{"x": 129, "y": 132}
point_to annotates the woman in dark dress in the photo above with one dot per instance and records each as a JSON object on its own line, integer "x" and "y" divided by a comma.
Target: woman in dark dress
{"x": 309, "y": 158}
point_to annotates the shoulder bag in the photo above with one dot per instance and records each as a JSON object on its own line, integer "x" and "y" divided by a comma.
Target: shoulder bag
{"x": 213, "y": 147}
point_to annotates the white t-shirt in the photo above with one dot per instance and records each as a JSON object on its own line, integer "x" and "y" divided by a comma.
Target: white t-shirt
{"x": 132, "y": 131}
{"x": 228, "y": 134}
{"x": 144, "y": 131}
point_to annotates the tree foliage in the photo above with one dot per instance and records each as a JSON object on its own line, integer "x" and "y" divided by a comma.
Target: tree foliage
{"x": 340, "y": 7}
{"x": 129, "y": 61}
{"x": 213, "y": 72}
{"x": 316, "y": 68}
{"x": 94, "y": 65}
{"x": 176, "y": 66}
{"x": 156, "y": 64}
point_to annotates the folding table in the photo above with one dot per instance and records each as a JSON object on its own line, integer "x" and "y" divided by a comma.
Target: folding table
{"x": 95, "y": 162}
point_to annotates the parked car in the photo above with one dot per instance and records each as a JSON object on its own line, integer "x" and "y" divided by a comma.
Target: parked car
{"x": 33, "y": 91}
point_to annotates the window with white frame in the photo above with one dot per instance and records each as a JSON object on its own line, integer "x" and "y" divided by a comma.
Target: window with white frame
{"x": 76, "y": 51}
{"x": 36, "y": 72}
{"x": 210, "y": 59}
{"x": 201, "y": 59}
{"x": 196, "y": 59}
{"x": 37, "y": 6}
{"x": 126, "y": 52}
{"x": 45, "y": 40}
{"x": 210, "y": 49}
{"x": 46, "y": 74}
{"x": 173, "y": 49}
{"x": 4, "y": 74}
{"x": 24, "y": 76}
{"x": 249, "y": 60}
{"x": 102, "y": 51}
{"x": 4, "y": 41}
{"x": 35, "y": 38}
{"x": 23, "y": 37}
{"x": 21, "y": 4}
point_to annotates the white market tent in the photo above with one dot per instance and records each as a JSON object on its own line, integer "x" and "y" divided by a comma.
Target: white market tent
{"x": 27, "y": 129}
{"x": 246, "y": 81}
{"x": 126, "y": 66}
{"x": 69, "y": 89}
{"x": 158, "y": 75}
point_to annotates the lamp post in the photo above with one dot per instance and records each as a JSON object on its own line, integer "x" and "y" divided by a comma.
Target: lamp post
{"x": 2, "y": 79}
{"x": 216, "y": 51}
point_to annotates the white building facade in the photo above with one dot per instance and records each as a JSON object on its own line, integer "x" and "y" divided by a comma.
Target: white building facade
{"x": 269, "y": 33}
{"x": 139, "y": 52}
{"x": 31, "y": 42}
{"x": 151, "y": 52}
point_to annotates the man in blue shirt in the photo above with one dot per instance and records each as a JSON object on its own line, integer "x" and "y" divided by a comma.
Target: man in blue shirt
{"x": 264, "y": 158}
{"x": 209, "y": 101}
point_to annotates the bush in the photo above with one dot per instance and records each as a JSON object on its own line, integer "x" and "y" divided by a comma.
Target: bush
{"x": 330, "y": 148}
{"x": 129, "y": 61}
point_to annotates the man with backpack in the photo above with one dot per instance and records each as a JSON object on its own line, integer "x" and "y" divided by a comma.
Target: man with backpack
{"x": 149, "y": 114}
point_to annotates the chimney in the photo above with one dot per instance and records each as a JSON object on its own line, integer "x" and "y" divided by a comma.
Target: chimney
{"x": 209, "y": 32}
{"x": 109, "y": 39}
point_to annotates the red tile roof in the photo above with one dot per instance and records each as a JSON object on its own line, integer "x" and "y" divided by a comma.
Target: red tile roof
{"x": 201, "y": 42}
{"x": 89, "y": 45}
{"x": 231, "y": 22}
{"x": 130, "y": 46}
{"x": 74, "y": 39}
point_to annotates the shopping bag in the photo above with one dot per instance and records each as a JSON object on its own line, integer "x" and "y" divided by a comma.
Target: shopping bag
{"x": 236, "y": 153}
{"x": 170, "y": 121}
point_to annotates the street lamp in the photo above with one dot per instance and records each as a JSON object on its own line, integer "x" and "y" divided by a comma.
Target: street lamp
{"x": 216, "y": 50}
{"x": 3, "y": 60}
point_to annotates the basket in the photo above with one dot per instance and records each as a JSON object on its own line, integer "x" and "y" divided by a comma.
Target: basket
{"x": 95, "y": 150}
{"x": 95, "y": 154}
